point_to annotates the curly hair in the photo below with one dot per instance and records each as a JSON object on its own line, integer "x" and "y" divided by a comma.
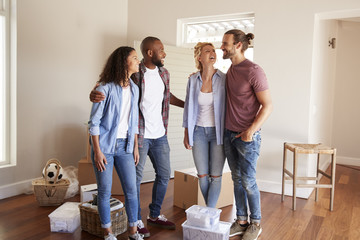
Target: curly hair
{"x": 116, "y": 67}
{"x": 240, "y": 36}
{"x": 197, "y": 52}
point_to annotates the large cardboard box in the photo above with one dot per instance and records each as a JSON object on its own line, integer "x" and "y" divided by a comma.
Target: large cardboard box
{"x": 187, "y": 190}
{"x": 86, "y": 175}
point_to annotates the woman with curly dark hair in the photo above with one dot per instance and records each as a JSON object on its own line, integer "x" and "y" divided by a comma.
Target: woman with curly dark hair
{"x": 113, "y": 127}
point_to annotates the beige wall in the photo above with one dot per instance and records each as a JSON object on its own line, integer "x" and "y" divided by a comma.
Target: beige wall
{"x": 62, "y": 47}
{"x": 346, "y": 108}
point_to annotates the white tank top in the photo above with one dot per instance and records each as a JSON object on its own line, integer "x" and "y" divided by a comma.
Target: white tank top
{"x": 206, "y": 117}
{"x": 125, "y": 113}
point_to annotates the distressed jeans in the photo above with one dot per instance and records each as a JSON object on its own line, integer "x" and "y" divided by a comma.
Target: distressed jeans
{"x": 125, "y": 168}
{"x": 159, "y": 152}
{"x": 242, "y": 158}
{"x": 209, "y": 160}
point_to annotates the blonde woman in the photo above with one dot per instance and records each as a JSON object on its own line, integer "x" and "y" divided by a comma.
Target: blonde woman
{"x": 203, "y": 120}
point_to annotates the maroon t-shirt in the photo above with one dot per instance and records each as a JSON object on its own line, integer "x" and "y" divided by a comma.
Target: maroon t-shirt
{"x": 242, "y": 82}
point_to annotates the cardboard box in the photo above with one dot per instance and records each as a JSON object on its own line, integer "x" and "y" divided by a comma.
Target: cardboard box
{"x": 87, "y": 192}
{"x": 86, "y": 175}
{"x": 219, "y": 233}
{"x": 65, "y": 218}
{"x": 187, "y": 190}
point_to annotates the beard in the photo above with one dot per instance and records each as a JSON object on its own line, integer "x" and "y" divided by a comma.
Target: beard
{"x": 156, "y": 61}
{"x": 228, "y": 53}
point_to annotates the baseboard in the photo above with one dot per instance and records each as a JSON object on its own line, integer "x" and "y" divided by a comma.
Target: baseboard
{"x": 348, "y": 161}
{"x": 15, "y": 189}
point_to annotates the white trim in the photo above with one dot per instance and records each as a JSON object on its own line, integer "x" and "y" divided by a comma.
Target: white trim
{"x": 10, "y": 84}
{"x": 348, "y": 161}
{"x": 338, "y": 14}
{"x": 181, "y": 33}
{"x": 15, "y": 189}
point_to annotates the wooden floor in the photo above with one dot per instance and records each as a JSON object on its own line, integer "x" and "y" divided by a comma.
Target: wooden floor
{"x": 22, "y": 218}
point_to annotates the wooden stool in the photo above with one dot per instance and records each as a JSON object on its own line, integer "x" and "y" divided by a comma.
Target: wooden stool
{"x": 318, "y": 149}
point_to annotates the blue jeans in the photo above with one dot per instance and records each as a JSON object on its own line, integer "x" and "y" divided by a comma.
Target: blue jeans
{"x": 125, "y": 168}
{"x": 209, "y": 160}
{"x": 159, "y": 152}
{"x": 242, "y": 157}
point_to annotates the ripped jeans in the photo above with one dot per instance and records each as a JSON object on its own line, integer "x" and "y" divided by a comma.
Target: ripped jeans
{"x": 209, "y": 160}
{"x": 242, "y": 158}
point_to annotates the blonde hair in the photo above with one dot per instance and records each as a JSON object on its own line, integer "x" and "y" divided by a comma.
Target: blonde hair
{"x": 197, "y": 52}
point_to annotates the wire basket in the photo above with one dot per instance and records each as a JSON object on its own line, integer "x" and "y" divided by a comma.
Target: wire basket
{"x": 50, "y": 194}
{"x": 90, "y": 220}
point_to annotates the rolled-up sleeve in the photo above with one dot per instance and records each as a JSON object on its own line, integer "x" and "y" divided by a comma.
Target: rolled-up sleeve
{"x": 96, "y": 114}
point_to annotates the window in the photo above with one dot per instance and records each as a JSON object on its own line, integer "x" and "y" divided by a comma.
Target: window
{"x": 7, "y": 83}
{"x": 211, "y": 29}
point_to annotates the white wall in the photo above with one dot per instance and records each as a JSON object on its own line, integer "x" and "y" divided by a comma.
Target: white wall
{"x": 62, "y": 47}
{"x": 284, "y": 34}
{"x": 347, "y": 98}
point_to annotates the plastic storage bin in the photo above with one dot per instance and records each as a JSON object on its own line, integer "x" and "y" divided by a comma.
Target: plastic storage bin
{"x": 203, "y": 217}
{"x": 221, "y": 232}
{"x": 65, "y": 218}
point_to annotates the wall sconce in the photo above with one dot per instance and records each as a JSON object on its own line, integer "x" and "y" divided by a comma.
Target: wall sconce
{"x": 332, "y": 42}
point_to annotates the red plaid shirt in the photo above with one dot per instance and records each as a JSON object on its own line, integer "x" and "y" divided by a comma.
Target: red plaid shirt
{"x": 138, "y": 78}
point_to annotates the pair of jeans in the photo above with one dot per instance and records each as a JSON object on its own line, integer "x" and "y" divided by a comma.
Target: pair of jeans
{"x": 125, "y": 167}
{"x": 159, "y": 152}
{"x": 209, "y": 160}
{"x": 242, "y": 158}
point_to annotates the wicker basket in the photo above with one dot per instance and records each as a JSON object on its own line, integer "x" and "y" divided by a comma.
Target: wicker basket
{"x": 50, "y": 194}
{"x": 90, "y": 220}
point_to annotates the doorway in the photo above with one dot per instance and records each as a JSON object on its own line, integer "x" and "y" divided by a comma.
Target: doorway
{"x": 334, "y": 111}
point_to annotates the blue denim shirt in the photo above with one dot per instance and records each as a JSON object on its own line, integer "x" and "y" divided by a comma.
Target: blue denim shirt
{"x": 105, "y": 117}
{"x": 191, "y": 107}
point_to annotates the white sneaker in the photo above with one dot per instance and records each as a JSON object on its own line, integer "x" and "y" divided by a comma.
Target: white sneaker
{"x": 136, "y": 236}
{"x": 110, "y": 236}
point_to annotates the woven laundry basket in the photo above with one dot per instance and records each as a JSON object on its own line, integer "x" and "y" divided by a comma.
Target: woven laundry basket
{"x": 90, "y": 220}
{"x": 50, "y": 194}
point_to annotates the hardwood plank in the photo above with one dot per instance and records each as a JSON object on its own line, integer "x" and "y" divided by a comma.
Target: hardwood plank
{"x": 344, "y": 179}
{"x": 354, "y": 232}
{"x": 312, "y": 228}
